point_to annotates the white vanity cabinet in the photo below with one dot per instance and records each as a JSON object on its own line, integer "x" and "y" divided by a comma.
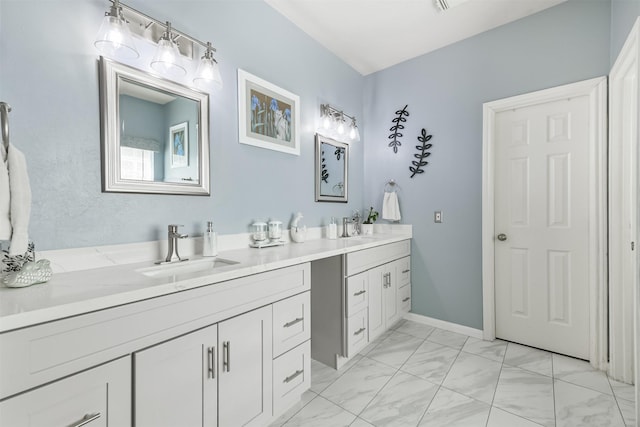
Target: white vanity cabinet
{"x": 99, "y": 397}
{"x": 202, "y": 356}
{"x": 356, "y": 297}
{"x": 389, "y": 295}
{"x": 219, "y": 375}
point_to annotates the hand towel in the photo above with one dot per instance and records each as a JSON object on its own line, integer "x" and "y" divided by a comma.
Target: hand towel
{"x": 390, "y": 206}
{"x": 5, "y": 197}
{"x": 19, "y": 201}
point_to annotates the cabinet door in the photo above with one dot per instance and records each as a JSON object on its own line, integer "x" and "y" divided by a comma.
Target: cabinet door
{"x": 390, "y": 294}
{"x": 376, "y": 302}
{"x": 245, "y": 369}
{"x": 175, "y": 382}
{"x": 98, "y": 397}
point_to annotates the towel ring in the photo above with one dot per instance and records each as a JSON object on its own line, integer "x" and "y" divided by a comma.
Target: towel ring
{"x": 392, "y": 185}
{"x": 4, "y": 121}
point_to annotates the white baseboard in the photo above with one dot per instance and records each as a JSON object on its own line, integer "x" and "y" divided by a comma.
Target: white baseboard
{"x": 447, "y": 326}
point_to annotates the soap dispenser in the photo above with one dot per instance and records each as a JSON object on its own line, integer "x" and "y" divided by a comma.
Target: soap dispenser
{"x": 210, "y": 247}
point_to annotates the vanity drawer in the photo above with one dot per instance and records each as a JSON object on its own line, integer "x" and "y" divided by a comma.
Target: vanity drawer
{"x": 368, "y": 258}
{"x": 100, "y": 396}
{"x": 404, "y": 299}
{"x": 357, "y": 297}
{"x": 291, "y": 322}
{"x": 404, "y": 271}
{"x": 291, "y": 377}
{"x": 357, "y": 335}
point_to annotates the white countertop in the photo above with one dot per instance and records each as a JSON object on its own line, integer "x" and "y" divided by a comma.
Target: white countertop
{"x": 79, "y": 292}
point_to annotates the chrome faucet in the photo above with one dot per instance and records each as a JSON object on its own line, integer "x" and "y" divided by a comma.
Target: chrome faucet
{"x": 173, "y": 236}
{"x": 345, "y": 227}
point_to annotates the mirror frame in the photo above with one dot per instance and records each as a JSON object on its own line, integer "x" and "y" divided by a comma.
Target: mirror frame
{"x": 110, "y": 74}
{"x": 320, "y": 139}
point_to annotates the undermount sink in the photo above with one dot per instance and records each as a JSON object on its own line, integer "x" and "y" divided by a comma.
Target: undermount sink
{"x": 202, "y": 265}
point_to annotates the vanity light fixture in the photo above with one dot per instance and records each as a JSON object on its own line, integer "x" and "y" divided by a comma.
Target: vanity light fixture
{"x": 333, "y": 126}
{"x": 114, "y": 40}
{"x": 208, "y": 70}
{"x": 167, "y": 58}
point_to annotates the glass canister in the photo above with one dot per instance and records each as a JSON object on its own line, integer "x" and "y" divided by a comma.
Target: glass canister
{"x": 275, "y": 230}
{"x": 259, "y": 231}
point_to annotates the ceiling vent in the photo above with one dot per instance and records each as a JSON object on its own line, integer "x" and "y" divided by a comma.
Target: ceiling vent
{"x": 443, "y": 5}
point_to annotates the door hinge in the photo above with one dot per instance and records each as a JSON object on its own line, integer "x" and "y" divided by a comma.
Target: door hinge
{"x": 633, "y": 246}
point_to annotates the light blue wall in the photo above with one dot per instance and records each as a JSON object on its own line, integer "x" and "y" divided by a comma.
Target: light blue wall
{"x": 623, "y": 15}
{"x": 445, "y": 91}
{"x": 49, "y": 75}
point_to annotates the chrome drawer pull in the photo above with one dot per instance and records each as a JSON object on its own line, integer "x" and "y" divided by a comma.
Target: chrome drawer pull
{"x": 406, "y": 299}
{"x": 85, "y": 420}
{"x": 212, "y": 362}
{"x": 405, "y": 271}
{"x": 359, "y": 293}
{"x": 359, "y": 331}
{"x": 226, "y": 355}
{"x": 293, "y": 322}
{"x": 293, "y": 376}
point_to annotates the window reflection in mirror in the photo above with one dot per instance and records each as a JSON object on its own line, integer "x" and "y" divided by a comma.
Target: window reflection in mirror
{"x": 332, "y": 164}
{"x": 155, "y": 133}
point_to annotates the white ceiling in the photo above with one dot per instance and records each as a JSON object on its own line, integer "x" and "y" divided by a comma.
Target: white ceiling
{"x": 371, "y": 35}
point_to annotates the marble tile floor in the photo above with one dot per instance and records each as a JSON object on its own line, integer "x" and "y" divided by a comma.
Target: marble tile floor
{"x": 415, "y": 375}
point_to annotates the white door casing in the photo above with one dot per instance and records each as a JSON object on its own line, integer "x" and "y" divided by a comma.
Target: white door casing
{"x": 594, "y": 93}
{"x": 624, "y": 99}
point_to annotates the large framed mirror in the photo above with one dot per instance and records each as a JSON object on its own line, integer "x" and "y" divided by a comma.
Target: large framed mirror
{"x": 332, "y": 170}
{"x": 155, "y": 133}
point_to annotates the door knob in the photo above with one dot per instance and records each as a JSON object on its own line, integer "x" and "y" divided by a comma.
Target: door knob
{"x": 502, "y": 237}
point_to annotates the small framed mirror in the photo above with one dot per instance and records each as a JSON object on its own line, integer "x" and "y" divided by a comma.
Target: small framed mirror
{"x": 332, "y": 170}
{"x": 155, "y": 133}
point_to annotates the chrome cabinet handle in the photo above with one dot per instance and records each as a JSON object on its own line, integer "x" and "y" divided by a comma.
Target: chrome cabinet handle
{"x": 226, "y": 355}
{"x": 212, "y": 362}
{"x": 406, "y": 299}
{"x": 359, "y": 331}
{"x": 293, "y": 376}
{"x": 502, "y": 237}
{"x": 405, "y": 271}
{"x": 293, "y": 322}
{"x": 359, "y": 293}
{"x": 85, "y": 420}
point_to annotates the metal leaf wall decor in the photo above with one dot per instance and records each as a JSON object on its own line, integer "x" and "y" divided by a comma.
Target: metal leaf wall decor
{"x": 397, "y": 127}
{"x": 421, "y": 155}
{"x": 339, "y": 153}
{"x": 324, "y": 174}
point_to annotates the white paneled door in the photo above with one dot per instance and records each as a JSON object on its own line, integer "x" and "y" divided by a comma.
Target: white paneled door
{"x": 541, "y": 223}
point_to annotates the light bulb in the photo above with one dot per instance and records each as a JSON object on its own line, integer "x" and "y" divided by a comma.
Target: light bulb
{"x": 340, "y": 129}
{"x": 326, "y": 123}
{"x": 208, "y": 71}
{"x": 167, "y": 58}
{"x": 114, "y": 39}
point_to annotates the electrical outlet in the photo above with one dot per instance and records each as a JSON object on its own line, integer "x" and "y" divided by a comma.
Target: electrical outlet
{"x": 437, "y": 216}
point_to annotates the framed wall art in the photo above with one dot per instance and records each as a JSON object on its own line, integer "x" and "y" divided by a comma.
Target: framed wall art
{"x": 268, "y": 116}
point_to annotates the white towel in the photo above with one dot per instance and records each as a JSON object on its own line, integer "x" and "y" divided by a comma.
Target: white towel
{"x": 5, "y": 204}
{"x": 14, "y": 221}
{"x": 390, "y": 206}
